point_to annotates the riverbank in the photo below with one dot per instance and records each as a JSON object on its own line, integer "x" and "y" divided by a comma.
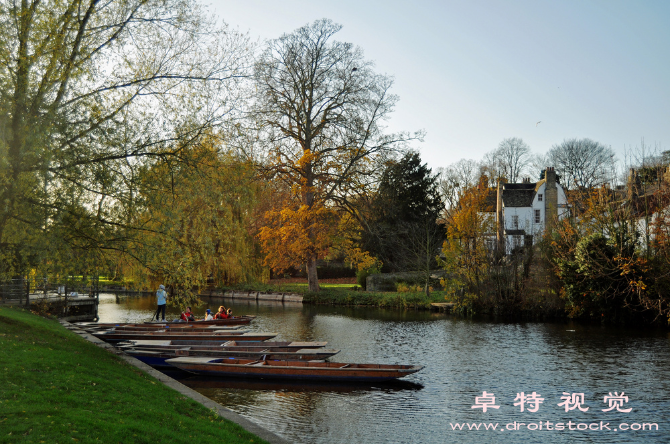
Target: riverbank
{"x": 344, "y": 292}
{"x": 58, "y": 387}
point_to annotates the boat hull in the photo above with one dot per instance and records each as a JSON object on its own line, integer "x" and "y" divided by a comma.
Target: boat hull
{"x": 231, "y": 321}
{"x": 223, "y": 336}
{"x": 309, "y": 370}
{"x": 145, "y": 343}
{"x": 156, "y": 327}
{"x": 157, "y": 358}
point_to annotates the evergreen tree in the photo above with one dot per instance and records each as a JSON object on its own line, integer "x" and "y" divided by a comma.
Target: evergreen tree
{"x": 402, "y": 219}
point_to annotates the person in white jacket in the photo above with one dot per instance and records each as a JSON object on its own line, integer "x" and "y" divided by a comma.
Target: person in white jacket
{"x": 208, "y": 315}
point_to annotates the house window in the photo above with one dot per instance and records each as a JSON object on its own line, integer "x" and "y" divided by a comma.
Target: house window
{"x": 539, "y": 198}
{"x": 537, "y": 216}
{"x": 515, "y": 222}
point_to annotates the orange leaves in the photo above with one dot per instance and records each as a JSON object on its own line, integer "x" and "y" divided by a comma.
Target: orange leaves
{"x": 293, "y": 235}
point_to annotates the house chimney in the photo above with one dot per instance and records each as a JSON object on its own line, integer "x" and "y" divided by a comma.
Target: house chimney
{"x": 500, "y": 219}
{"x": 551, "y": 198}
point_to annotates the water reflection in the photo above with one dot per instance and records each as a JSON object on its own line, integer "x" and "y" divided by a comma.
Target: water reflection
{"x": 205, "y": 383}
{"x": 463, "y": 358}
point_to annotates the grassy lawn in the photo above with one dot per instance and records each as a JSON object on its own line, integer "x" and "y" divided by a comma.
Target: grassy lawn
{"x": 56, "y": 387}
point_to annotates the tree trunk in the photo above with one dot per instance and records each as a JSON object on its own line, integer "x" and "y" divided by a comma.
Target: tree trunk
{"x": 312, "y": 279}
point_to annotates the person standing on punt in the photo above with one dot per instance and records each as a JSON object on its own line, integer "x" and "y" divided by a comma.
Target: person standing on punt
{"x": 161, "y": 296}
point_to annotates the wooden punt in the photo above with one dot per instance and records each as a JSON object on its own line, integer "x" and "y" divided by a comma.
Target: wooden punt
{"x": 308, "y": 370}
{"x": 156, "y": 356}
{"x": 235, "y": 320}
{"x": 147, "y": 343}
{"x": 216, "y": 335}
{"x": 185, "y": 328}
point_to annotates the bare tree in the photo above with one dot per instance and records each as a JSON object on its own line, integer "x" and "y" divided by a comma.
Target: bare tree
{"x": 538, "y": 164}
{"x": 509, "y": 161}
{"x": 583, "y": 163}
{"x": 455, "y": 179}
{"x": 320, "y": 107}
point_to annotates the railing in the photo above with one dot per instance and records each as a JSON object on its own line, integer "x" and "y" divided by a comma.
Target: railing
{"x": 14, "y": 289}
{"x": 28, "y": 288}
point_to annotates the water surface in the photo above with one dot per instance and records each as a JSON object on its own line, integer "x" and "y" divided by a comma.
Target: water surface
{"x": 463, "y": 358}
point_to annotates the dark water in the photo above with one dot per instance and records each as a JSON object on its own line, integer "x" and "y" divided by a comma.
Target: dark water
{"x": 463, "y": 358}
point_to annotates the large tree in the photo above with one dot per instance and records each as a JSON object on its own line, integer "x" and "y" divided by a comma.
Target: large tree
{"x": 197, "y": 223}
{"x": 320, "y": 108}
{"x": 583, "y": 163}
{"x": 509, "y": 161}
{"x": 401, "y": 222}
{"x": 89, "y": 92}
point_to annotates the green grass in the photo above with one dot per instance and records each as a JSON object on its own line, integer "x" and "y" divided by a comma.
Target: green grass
{"x": 403, "y": 300}
{"x": 322, "y": 285}
{"x": 300, "y": 288}
{"x": 344, "y": 294}
{"x": 56, "y": 387}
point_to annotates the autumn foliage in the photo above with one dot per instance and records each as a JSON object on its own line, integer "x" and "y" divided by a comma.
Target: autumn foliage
{"x": 612, "y": 259}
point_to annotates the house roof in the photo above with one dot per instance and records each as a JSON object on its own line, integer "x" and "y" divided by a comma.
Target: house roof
{"x": 518, "y": 194}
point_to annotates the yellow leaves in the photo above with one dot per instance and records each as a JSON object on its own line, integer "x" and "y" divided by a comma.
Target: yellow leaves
{"x": 362, "y": 260}
{"x": 291, "y": 236}
{"x": 198, "y": 220}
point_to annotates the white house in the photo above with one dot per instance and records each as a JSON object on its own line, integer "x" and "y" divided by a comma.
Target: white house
{"x": 524, "y": 210}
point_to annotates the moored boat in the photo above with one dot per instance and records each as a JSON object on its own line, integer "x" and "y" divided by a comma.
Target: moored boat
{"x": 235, "y": 320}
{"x": 157, "y": 327}
{"x": 184, "y": 343}
{"x": 216, "y": 335}
{"x": 313, "y": 370}
{"x": 156, "y": 356}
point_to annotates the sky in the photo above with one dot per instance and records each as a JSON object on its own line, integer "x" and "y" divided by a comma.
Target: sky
{"x": 472, "y": 73}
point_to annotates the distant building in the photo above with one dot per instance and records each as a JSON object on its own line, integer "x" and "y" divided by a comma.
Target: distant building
{"x": 523, "y": 211}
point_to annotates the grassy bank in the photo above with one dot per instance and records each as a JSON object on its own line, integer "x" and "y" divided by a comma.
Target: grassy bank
{"x": 402, "y": 300}
{"x": 56, "y": 387}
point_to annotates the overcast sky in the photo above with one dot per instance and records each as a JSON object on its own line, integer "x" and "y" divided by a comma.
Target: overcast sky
{"x": 472, "y": 73}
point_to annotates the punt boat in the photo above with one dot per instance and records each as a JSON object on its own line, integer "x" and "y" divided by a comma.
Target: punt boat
{"x": 307, "y": 370}
{"x": 235, "y": 320}
{"x": 156, "y": 356}
{"x": 155, "y": 343}
{"x": 184, "y": 328}
{"x": 215, "y": 335}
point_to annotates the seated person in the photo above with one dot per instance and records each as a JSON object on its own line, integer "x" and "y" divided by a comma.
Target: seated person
{"x": 187, "y": 315}
{"x": 208, "y": 315}
{"x": 221, "y": 313}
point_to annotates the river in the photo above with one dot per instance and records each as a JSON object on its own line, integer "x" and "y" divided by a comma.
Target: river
{"x": 560, "y": 373}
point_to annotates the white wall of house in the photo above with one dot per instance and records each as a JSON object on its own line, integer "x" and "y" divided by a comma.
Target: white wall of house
{"x": 539, "y": 201}
{"x": 520, "y": 214}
